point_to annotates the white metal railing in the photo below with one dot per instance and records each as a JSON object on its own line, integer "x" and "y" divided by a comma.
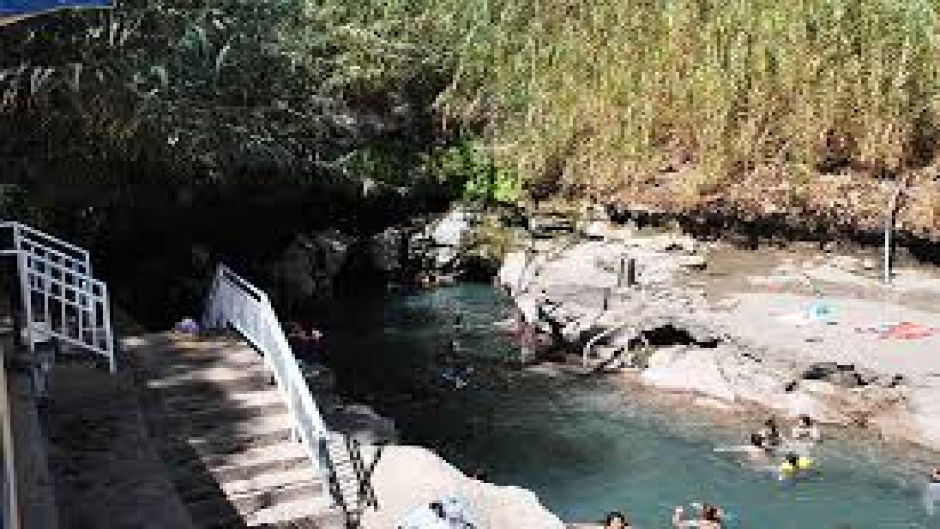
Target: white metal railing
{"x": 236, "y": 303}
{"x": 60, "y": 298}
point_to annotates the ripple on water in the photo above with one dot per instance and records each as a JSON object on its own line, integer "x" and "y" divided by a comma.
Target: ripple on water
{"x": 584, "y": 446}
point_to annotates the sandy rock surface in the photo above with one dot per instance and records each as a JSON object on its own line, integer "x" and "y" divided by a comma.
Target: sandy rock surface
{"x": 407, "y": 478}
{"x": 740, "y": 337}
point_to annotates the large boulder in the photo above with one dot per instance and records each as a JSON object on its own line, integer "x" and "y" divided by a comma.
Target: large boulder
{"x": 385, "y": 250}
{"x": 407, "y": 478}
{"x": 448, "y": 235}
{"x": 310, "y": 264}
{"x": 693, "y": 370}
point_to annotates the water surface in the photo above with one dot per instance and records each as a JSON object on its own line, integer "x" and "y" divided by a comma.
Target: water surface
{"x": 584, "y": 445}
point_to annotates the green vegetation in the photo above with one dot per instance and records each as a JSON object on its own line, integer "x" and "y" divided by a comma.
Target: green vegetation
{"x": 607, "y": 91}
{"x": 157, "y": 117}
{"x": 580, "y": 92}
{"x": 473, "y": 174}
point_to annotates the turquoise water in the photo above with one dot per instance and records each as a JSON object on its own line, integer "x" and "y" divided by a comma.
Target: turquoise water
{"x": 584, "y": 446}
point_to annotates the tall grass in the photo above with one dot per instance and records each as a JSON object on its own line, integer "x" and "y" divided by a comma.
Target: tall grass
{"x": 610, "y": 91}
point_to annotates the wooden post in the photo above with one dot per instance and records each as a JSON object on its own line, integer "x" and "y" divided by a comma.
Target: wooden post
{"x": 621, "y": 271}
{"x": 606, "y": 299}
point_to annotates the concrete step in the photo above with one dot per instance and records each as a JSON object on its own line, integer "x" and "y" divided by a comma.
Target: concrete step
{"x": 235, "y": 437}
{"x": 210, "y": 471}
{"x": 246, "y": 465}
{"x": 226, "y": 436}
{"x": 318, "y": 512}
{"x": 182, "y": 403}
{"x": 194, "y": 385}
{"x": 181, "y": 364}
{"x": 273, "y": 480}
{"x": 214, "y": 373}
{"x": 235, "y": 511}
{"x": 224, "y": 414}
{"x": 261, "y": 491}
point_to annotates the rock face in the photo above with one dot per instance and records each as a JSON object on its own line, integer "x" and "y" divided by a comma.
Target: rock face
{"x": 461, "y": 242}
{"x": 448, "y": 234}
{"x": 688, "y": 370}
{"x": 310, "y": 264}
{"x": 408, "y": 478}
{"x": 725, "y": 355}
{"x": 386, "y": 248}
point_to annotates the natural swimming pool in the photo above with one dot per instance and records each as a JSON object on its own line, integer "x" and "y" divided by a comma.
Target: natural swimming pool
{"x": 584, "y": 445}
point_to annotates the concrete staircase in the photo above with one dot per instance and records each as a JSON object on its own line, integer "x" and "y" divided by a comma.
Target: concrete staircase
{"x": 224, "y": 433}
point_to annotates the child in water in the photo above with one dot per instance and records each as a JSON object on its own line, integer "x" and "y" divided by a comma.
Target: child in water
{"x": 794, "y": 467}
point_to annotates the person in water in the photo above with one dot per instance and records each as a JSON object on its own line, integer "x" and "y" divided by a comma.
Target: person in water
{"x": 756, "y": 451}
{"x": 794, "y": 466}
{"x": 771, "y": 433}
{"x": 616, "y": 520}
{"x": 805, "y": 430}
{"x": 709, "y": 518}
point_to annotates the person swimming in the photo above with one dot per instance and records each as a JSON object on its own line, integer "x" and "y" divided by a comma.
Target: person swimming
{"x": 710, "y": 517}
{"x": 794, "y": 466}
{"x": 616, "y": 520}
{"x": 771, "y": 433}
{"x": 805, "y": 430}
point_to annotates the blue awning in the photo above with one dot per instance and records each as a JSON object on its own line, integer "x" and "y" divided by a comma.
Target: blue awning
{"x": 13, "y": 10}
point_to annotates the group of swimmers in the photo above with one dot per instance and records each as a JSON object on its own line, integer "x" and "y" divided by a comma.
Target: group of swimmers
{"x": 765, "y": 444}
{"x": 768, "y": 442}
{"x": 707, "y": 517}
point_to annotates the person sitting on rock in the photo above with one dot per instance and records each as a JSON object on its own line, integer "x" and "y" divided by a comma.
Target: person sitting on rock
{"x": 806, "y": 430}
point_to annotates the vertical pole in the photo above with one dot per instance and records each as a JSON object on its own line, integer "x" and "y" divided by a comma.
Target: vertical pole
{"x": 631, "y": 272}
{"x": 108, "y": 336}
{"x": 889, "y": 227}
{"x": 887, "y": 249}
{"x": 23, "y": 261}
{"x": 621, "y": 271}
{"x": 606, "y": 299}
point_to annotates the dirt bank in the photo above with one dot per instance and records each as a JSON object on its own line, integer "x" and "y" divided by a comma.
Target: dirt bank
{"x": 763, "y": 204}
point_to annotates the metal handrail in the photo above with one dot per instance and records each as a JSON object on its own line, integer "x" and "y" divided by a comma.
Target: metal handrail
{"x": 234, "y": 302}
{"x": 23, "y": 233}
{"x": 56, "y": 284}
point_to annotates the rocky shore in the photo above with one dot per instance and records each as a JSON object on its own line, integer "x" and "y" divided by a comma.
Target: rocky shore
{"x": 790, "y": 333}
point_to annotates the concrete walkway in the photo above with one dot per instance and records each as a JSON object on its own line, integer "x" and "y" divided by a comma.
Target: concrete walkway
{"x": 107, "y": 472}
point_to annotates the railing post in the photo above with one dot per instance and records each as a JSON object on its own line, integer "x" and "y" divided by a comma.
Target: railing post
{"x": 27, "y": 296}
{"x": 108, "y": 334}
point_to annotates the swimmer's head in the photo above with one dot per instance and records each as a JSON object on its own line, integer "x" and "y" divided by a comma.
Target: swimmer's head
{"x": 711, "y": 513}
{"x": 806, "y": 421}
{"x": 757, "y": 440}
{"x": 792, "y": 458}
{"x": 935, "y": 474}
